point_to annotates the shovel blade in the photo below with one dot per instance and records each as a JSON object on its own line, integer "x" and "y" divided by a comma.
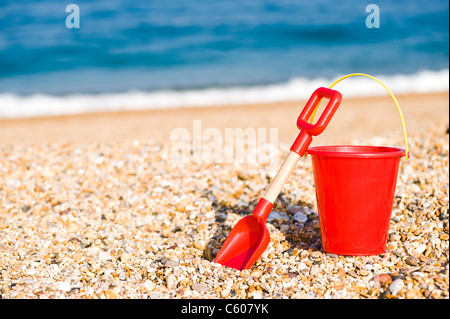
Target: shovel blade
{"x": 247, "y": 240}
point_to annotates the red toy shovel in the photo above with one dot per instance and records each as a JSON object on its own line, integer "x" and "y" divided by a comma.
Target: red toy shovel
{"x": 250, "y": 237}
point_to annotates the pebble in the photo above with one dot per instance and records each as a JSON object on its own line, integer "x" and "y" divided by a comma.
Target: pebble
{"x": 420, "y": 249}
{"x": 278, "y": 217}
{"x": 171, "y": 264}
{"x": 257, "y": 295}
{"x": 149, "y": 285}
{"x": 111, "y": 294}
{"x": 293, "y": 209}
{"x": 123, "y": 220}
{"x": 155, "y": 295}
{"x": 300, "y": 217}
{"x": 200, "y": 287}
{"x": 125, "y": 257}
{"x": 364, "y": 273}
{"x": 256, "y": 273}
{"x": 170, "y": 281}
{"x": 64, "y": 286}
{"x": 396, "y": 286}
{"x": 383, "y": 278}
{"x": 412, "y": 261}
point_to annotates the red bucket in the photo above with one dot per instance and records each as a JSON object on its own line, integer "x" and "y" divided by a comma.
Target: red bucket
{"x": 355, "y": 187}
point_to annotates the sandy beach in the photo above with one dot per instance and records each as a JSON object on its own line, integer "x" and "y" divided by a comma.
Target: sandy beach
{"x": 356, "y": 118}
{"x": 136, "y": 135}
{"x": 92, "y": 206}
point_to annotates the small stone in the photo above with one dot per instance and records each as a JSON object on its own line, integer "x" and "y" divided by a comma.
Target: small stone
{"x": 155, "y": 295}
{"x": 256, "y": 273}
{"x": 413, "y": 294}
{"x": 202, "y": 227}
{"x": 394, "y": 237}
{"x": 411, "y": 260}
{"x": 64, "y": 286}
{"x": 420, "y": 249}
{"x": 339, "y": 286}
{"x": 397, "y": 275}
{"x": 444, "y": 237}
{"x": 199, "y": 246}
{"x": 111, "y": 294}
{"x": 436, "y": 294}
{"x": 395, "y": 219}
{"x": 181, "y": 205}
{"x": 341, "y": 272}
{"x": 200, "y": 287}
{"x": 419, "y": 274}
{"x": 149, "y": 285}
{"x": 72, "y": 227}
{"x": 137, "y": 276}
{"x": 165, "y": 231}
{"x": 292, "y": 275}
{"x": 300, "y": 217}
{"x": 184, "y": 282}
{"x": 208, "y": 253}
{"x": 396, "y": 286}
{"x": 170, "y": 282}
{"x": 257, "y": 295}
{"x": 293, "y": 209}
{"x": 364, "y": 273}
{"x": 192, "y": 215}
{"x": 243, "y": 176}
{"x": 434, "y": 240}
{"x": 288, "y": 251}
{"x": 125, "y": 257}
{"x": 103, "y": 256}
{"x": 383, "y": 278}
{"x": 278, "y": 217}
{"x": 172, "y": 264}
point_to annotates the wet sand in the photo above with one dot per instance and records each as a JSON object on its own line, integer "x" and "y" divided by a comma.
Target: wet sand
{"x": 355, "y": 118}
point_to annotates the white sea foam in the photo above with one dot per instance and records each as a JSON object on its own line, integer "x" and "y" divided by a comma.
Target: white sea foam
{"x": 14, "y": 106}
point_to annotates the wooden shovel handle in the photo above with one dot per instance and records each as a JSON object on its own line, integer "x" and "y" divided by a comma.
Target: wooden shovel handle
{"x": 280, "y": 179}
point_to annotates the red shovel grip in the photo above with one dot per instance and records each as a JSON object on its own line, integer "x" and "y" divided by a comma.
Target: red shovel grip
{"x": 303, "y": 140}
{"x": 335, "y": 98}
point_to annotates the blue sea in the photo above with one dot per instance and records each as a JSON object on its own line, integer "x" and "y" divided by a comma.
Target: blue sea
{"x": 161, "y": 54}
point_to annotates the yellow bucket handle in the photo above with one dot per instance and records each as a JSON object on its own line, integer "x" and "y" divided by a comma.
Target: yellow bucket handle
{"x": 407, "y": 155}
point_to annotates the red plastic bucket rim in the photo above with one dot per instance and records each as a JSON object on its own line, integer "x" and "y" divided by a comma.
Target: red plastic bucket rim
{"x": 356, "y": 151}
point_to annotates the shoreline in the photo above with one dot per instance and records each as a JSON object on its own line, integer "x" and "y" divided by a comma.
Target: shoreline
{"x": 419, "y": 111}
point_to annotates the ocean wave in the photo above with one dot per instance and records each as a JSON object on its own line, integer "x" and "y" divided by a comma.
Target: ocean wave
{"x": 37, "y": 105}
